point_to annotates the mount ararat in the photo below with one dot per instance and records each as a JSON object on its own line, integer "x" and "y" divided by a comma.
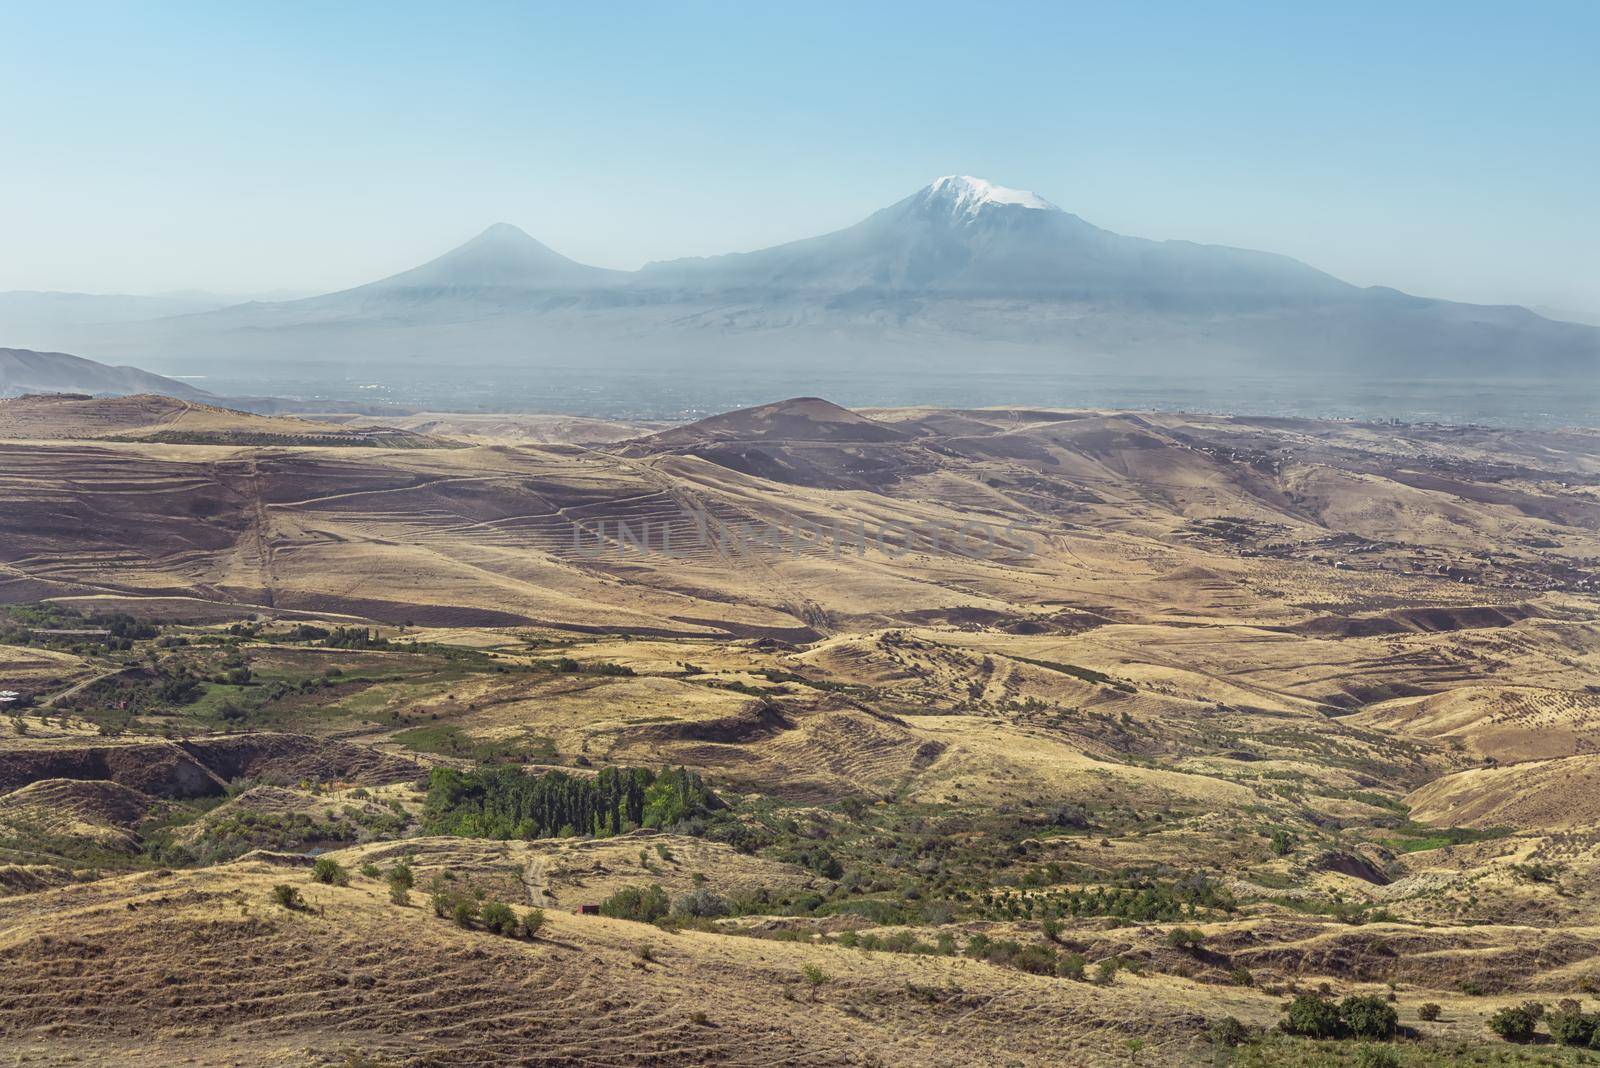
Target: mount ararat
{"x": 962, "y": 274}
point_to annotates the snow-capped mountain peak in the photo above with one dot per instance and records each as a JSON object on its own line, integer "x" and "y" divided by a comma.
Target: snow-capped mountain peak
{"x": 964, "y": 196}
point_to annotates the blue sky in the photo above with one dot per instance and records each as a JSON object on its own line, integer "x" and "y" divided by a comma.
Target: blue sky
{"x": 1451, "y": 149}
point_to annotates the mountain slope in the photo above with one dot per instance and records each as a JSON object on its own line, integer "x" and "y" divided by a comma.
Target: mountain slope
{"x": 163, "y": 419}
{"x": 26, "y": 371}
{"x": 810, "y": 419}
{"x": 502, "y": 257}
{"x": 965, "y": 236}
{"x": 499, "y": 272}
{"x": 962, "y": 273}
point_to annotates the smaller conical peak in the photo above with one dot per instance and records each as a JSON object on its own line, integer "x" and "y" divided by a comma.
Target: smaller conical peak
{"x": 965, "y": 196}
{"x": 503, "y": 231}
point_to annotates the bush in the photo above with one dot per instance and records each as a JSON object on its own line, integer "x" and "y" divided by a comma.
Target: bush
{"x": 1571, "y": 1027}
{"x": 499, "y": 918}
{"x": 287, "y": 896}
{"x": 1070, "y": 966}
{"x": 700, "y": 903}
{"x": 399, "y": 895}
{"x": 330, "y": 871}
{"x": 463, "y": 911}
{"x": 1513, "y": 1023}
{"x": 814, "y": 976}
{"x": 1037, "y": 960}
{"x": 1377, "y": 1057}
{"x": 1311, "y": 1017}
{"x": 1369, "y": 1017}
{"x": 1428, "y": 1010}
{"x": 642, "y": 904}
{"x": 370, "y": 870}
{"x": 401, "y": 875}
{"x": 532, "y": 922}
{"x": 1185, "y": 937}
{"x": 1228, "y": 1031}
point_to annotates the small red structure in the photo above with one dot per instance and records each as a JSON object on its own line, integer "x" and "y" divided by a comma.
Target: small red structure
{"x": 588, "y": 910}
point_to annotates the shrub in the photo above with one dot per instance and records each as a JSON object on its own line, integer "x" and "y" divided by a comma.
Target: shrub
{"x": 1377, "y": 1057}
{"x": 370, "y": 870}
{"x": 463, "y": 911}
{"x": 1428, "y": 1010}
{"x": 1571, "y": 1027}
{"x": 1228, "y": 1031}
{"x": 1071, "y": 965}
{"x": 399, "y": 895}
{"x": 1369, "y": 1016}
{"x": 1185, "y": 937}
{"x": 532, "y": 922}
{"x": 287, "y": 896}
{"x": 330, "y": 871}
{"x": 1106, "y": 970}
{"x": 701, "y": 903}
{"x": 1311, "y": 1016}
{"x": 499, "y": 918}
{"x": 642, "y": 904}
{"x": 401, "y": 875}
{"x": 814, "y": 976}
{"x": 1038, "y": 960}
{"x": 1513, "y": 1023}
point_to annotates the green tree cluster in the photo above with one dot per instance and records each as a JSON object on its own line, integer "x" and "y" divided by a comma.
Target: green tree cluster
{"x": 506, "y": 802}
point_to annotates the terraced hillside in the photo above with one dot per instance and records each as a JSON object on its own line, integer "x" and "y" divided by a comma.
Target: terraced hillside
{"x": 155, "y": 418}
{"x": 818, "y": 737}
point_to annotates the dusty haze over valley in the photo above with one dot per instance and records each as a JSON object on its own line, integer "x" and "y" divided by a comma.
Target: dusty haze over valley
{"x": 993, "y": 292}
